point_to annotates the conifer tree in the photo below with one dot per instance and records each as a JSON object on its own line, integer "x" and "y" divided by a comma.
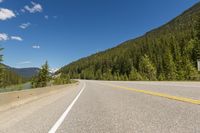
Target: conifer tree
{"x": 134, "y": 75}
{"x": 197, "y": 39}
{"x": 98, "y": 74}
{"x": 42, "y": 78}
{"x": 169, "y": 66}
{"x": 147, "y": 68}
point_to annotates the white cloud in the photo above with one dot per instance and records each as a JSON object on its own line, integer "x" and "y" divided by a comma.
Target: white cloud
{"x": 17, "y": 38}
{"x": 6, "y": 14}
{"x": 34, "y": 8}
{"x": 1, "y": 1}
{"x": 3, "y": 37}
{"x": 36, "y": 46}
{"x": 25, "y": 25}
{"x": 46, "y": 17}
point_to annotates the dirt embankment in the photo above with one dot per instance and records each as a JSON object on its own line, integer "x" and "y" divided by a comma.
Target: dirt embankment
{"x": 13, "y": 99}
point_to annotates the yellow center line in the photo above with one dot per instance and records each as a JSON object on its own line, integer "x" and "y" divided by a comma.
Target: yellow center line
{"x": 177, "y": 98}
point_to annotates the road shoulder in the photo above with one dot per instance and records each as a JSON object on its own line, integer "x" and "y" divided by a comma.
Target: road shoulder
{"x": 14, "y": 99}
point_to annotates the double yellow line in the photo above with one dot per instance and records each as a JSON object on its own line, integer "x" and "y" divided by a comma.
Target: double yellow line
{"x": 177, "y": 98}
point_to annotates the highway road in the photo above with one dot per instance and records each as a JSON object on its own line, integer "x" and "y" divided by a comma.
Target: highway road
{"x": 110, "y": 107}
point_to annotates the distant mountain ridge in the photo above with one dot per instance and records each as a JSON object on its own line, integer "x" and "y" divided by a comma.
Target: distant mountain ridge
{"x": 24, "y": 72}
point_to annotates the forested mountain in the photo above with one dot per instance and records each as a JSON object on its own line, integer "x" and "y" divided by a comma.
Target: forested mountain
{"x": 169, "y": 52}
{"x": 9, "y": 77}
{"x": 24, "y": 72}
{"x": 12, "y": 76}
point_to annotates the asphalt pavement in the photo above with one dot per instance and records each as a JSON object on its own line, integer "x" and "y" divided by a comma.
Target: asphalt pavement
{"x": 110, "y": 107}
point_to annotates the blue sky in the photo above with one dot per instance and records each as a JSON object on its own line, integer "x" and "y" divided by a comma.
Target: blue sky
{"x": 62, "y": 31}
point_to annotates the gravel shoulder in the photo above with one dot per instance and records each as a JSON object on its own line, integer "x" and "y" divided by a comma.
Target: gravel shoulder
{"x": 16, "y": 98}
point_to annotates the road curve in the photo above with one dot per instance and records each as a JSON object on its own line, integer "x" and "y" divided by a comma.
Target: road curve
{"x": 110, "y": 107}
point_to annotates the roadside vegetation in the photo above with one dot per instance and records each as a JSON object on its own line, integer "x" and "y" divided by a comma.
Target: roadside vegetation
{"x": 16, "y": 87}
{"x": 44, "y": 78}
{"x": 62, "y": 79}
{"x": 166, "y": 53}
{"x": 10, "y": 81}
{"x": 8, "y": 77}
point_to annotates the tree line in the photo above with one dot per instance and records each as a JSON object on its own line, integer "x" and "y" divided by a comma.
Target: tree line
{"x": 44, "y": 78}
{"x": 166, "y": 53}
{"x": 8, "y": 77}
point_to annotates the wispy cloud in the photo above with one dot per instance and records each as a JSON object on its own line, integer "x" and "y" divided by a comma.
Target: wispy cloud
{"x": 35, "y": 7}
{"x": 23, "y": 10}
{"x": 17, "y": 38}
{"x": 36, "y": 46}
{"x": 3, "y": 37}
{"x": 25, "y": 25}
{"x": 17, "y": 13}
{"x": 1, "y": 1}
{"x": 46, "y": 17}
{"x": 6, "y": 14}
{"x": 55, "y": 17}
{"x": 24, "y": 62}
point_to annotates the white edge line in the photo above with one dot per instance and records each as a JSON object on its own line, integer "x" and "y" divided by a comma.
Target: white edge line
{"x": 63, "y": 116}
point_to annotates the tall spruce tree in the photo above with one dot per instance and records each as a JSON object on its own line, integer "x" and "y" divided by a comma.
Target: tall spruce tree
{"x": 42, "y": 78}
{"x": 169, "y": 66}
{"x": 147, "y": 69}
{"x": 197, "y": 39}
{"x": 134, "y": 75}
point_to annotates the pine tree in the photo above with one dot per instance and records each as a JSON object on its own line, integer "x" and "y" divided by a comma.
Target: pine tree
{"x": 190, "y": 72}
{"x": 125, "y": 77}
{"x": 44, "y": 74}
{"x": 98, "y": 74}
{"x": 108, "y": 75}
{"x": 169, "y": 66}
{"x": 197, "y": 26}
{"x": 147, "y": 68}
{"x": 197, "y": 39}
{"x": 115, "y": 77}
{"x": 42, "y": 78}
{"x": 134, "y": 75}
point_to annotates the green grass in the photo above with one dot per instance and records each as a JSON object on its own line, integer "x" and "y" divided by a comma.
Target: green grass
{"x": 26, "y": 86}
{"x": 16, "y": 87}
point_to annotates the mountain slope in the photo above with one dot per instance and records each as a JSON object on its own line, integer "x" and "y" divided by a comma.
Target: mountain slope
{"x": 24, "y": 72}
{"x": 166, "y": 53}
{"x": 9, "y": 77}
{"x": 12, "y": 76}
